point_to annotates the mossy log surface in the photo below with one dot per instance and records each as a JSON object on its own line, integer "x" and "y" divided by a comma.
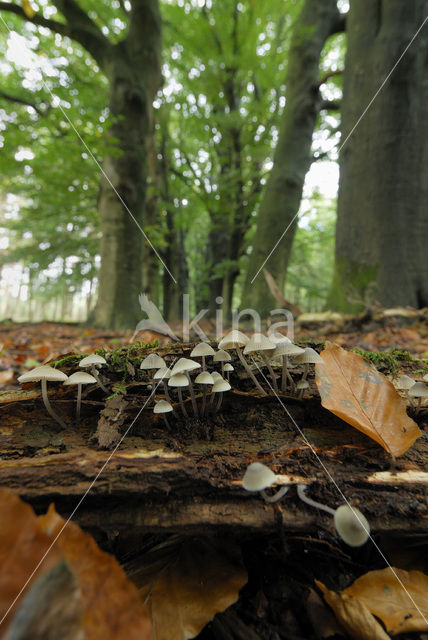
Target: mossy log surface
{"x": 186, "y": 478}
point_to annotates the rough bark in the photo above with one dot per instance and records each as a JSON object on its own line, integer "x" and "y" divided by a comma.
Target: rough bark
{"x": 382, "y": 227}
{"x": 281, "y": 199}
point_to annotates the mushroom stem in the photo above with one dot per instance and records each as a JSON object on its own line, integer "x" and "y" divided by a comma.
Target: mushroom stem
{"x": 96, "y": 376}
{"x": 78, "y": 403}
{"x": 219, "y": 401}
{"x": 271, "y": 373}
{"x": 203, "y": 363}
{"x": 276, "y": 496}
{"x": 166, "y": 420}
{"x": 48, "y": 407}
{"x": 183, "y": 408}
{"x": 286, "y": 374}
{"x": 192, "y": 395}
{"x": 204, "y": 399}
{"x": 248, "y": 370}
{"x": 165, "y": 389}
{"x": 301, "y": 493}
{"x": 305, "y": 371}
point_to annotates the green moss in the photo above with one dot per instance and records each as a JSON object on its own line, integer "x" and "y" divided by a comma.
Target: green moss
{"x": 68, "y": 360}
{"x": 353, "y": 284}
{"x": 389, "y": 360}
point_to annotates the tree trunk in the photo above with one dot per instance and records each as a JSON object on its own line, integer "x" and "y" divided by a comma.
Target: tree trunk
{"x": 134, "y": 75}
{"x": 281, "y": 199}
{"x": 382, "y": 227}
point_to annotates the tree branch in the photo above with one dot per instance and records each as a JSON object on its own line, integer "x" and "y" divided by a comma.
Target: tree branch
{"x": 328, "y": 75}
{"x": 58, "y": 27}
{"x": 42, "y": 111}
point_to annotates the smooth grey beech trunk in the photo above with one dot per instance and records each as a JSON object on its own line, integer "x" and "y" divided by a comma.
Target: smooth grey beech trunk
{"x": 382, "y": 227}
{"x": 292, "y": 159}
{"x": 134, "y": 73}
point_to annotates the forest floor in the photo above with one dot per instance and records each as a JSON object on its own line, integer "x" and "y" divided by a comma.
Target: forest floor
{"x": 190, "y": 485}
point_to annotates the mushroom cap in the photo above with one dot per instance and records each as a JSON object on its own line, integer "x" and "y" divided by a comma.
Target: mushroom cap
{"x": 419, "y": 390}
{"x": 204, "y": 378}
{"x": 258, "y": 477}
{"x": 351, "y": 525}
{"x": 221, "y": 356}
{"x": 44, "y": 372}
{"x": 302, "y": 384}
{"x": 80, "y": 377}
{"x": 216, "y": 375}
{"x": 404, "y": 382}
{"x": 162, "y": 406}
{"x": 279, "y": 338}
{"x": 259, "y": 342}
{"x": 162, "y": 374}
{"x": 178, "y": 380}
{"x": 94, "y": 358}
{"x": 233, "y": 339}
{"x": 184, "y": 364}
{"x": 220, "y": 385}
{"x": 309, "y": 356}
{"x": 425, "y": 378}
{"x": 153, "y": 361}
{"x": 228, "y": 367}
{"x": 287, "y": 349}
{"x": 202, "y": 349}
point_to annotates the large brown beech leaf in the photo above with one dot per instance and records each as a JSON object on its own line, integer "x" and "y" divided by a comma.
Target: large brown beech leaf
{"x": 78, "y": 593}
{"x": 353, "y": 615}
{"x": 356, "y": 392}
{"x": 399, "y": 598}
{"x": 185, "y": 582}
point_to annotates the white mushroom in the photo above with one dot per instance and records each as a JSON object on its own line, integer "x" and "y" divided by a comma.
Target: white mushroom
{"x": 228, "y": 368}
{"x": 259, "y": 477}
{"x": 352, "y": 527}
{"x": 163, "y": 374}
{"x": 236, "y": 340}
{"x": 184, "y": 365}
{"x": 222, "y": 356}
{"x": 261, "y": 344}
{"x": 284, "y": 350}
{"x": 202, "y": 350}
{"x": 163, "y": 407}
{"x": 205, "y": 379}
{"x": 301, "y": 386}
{"x": 93, "y": 361}
{"x": 44, "y": 374}
{"x": 309, "y": 356}
{"x": 419, "y": 390}
{"x": 178, "y": 381}
{"x": 219, "y": 386}
{"x": 80, "y": 378}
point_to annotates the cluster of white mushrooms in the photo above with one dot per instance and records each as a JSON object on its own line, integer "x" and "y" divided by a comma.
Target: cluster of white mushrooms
{"x": 350, "y": 524}
{"x": 414, "y": 391}
{"x": 45, "y": 374}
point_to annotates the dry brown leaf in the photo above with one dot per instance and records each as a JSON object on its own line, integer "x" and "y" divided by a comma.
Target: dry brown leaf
{"x": 353, "y": 615}
{"x": 323, "y": 621}
{"x": 184, "y": 583}
{"x": 22, "y": 547}
{"x": 357, "y": 393}
{"x": 112, "y": 608}
{"x": 392, "y": 602}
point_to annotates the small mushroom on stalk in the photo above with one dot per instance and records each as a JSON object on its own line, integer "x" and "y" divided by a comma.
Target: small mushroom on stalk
{"x": 222, "y": 356}
{"x": 284, "y": 350}
{"x": 163, "y": 374}
{"x": 219, "y": 387}
{"x": 425, "y": 378}
{"x": 163, "y": 407}
{"x": 179, "y": 381}
{"x": 404, "y": 383}
{"x": 236, "y": 340}
{"x": 419, "y": 391}
{"x": 258, "y": 477}
{"x": 152, "y": 363}
{"x": 349, "y": 522}
{"x": 301, "y": 387}
{"x": 184, "y": 365}
{"x": 79, "y": 378}
{"x": 228, "y": 368}
{"x": 261, "y": 344}
{"x": 216, "y": 375}
{"x": 93, "y": 361}
{"x": 45, "y": 374}
{"x": 202, "y": 350}
{"x": 309, "y": 356}
{"x": 205, "y": 379}
{"x": 279, "y": 338}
